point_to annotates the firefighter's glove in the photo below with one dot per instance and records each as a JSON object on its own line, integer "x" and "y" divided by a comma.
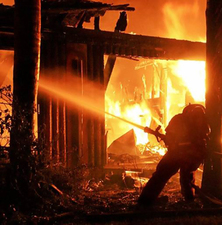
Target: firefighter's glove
{"x": 146, "y": 129}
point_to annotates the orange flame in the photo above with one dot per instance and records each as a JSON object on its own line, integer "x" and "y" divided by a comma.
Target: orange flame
{"x": 181, "y": 20}
{"x": 190, "y": 77}
{"x": 137, "y": 113}
{"x": 192, "y": 74}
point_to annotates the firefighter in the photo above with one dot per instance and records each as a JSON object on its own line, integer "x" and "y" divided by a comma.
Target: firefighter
{"x": 186, "y": 139}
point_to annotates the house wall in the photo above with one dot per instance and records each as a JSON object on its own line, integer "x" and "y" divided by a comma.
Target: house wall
{"x": 72, "y": 134}
{"x": 95, "y": 123}
{"x": 51, "y": 115}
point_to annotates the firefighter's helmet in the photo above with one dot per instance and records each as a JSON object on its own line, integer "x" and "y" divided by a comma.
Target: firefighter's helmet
{"x": 194, "y": 108}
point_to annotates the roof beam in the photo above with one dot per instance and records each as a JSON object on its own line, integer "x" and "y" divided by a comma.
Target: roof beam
{"x": 122, "y": 44}
{"x": 125, "y": 45}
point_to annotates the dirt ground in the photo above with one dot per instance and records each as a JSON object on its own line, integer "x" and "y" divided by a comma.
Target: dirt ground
{"x": 113, "y": 200}
{"x": 84, "y": 197}
{"x": 116, "y": 204}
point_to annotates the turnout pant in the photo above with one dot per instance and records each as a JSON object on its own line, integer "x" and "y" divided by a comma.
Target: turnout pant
{"x": 169, "y": 165}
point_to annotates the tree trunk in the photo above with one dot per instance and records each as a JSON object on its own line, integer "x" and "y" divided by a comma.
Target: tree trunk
{"x": 212, "y": 176}
{"x": 26, "y": 72}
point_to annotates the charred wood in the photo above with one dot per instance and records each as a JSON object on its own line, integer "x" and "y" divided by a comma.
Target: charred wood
{"x": 153, "y": 47}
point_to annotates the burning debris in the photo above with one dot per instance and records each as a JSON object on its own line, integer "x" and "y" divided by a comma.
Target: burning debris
{"x": 124, "y": 151}
{"x": 126, "y": 144}
{"x": 160, "y": 92}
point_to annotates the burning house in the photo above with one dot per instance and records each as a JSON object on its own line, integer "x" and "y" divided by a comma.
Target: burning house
{"x": 102, "y": 81}
{"x": 88, "y": 74}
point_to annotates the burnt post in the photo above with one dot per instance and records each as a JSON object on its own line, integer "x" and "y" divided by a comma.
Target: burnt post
{"x": 95, "y": 122}
{"x": 52, "y": 110}
{"x": 212, "y": 177}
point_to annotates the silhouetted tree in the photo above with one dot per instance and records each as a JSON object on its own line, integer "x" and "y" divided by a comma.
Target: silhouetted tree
{"x": 212, "y": 176}
{"x": 26, "y": 72}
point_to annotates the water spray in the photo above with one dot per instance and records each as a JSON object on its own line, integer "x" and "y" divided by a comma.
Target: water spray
{"x": 126, "y": 121}
{"x": 73, "y": 98}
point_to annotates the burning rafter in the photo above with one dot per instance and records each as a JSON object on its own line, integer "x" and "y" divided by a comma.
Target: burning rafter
{"x": 64, "y": 13}
{"x": 73, "y": 13}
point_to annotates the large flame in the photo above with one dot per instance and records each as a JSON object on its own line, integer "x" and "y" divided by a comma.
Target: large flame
{"x": 181, "y": 20}
{"x": 192, "y": 74}
{"x": 137, "y": 113}
{"x": 185, "y": 79}
{"x": 189, "y": 77}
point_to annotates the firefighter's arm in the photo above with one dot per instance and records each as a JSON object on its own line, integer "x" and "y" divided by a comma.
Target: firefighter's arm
{"x": 155, "y": 132}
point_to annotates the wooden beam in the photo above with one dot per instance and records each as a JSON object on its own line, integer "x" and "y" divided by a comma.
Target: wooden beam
{"x": 6, "y": 40}
{"x": 108, "y": 69}
{"x": 138, "y": 45}
{"x": 126, "y": 45}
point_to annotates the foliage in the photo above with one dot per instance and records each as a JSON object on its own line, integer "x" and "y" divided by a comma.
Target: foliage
{"x": 5, "y": 114}
{"x": 29, "y": 152}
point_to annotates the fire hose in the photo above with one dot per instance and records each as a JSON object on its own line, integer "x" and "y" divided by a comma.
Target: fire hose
{"x": 202, "y": 194}
{"x": 146, "y": 129}
{"x": 160, "y": 137}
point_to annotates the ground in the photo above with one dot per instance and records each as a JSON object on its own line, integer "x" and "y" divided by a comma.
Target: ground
{"x": 89, "y": 196}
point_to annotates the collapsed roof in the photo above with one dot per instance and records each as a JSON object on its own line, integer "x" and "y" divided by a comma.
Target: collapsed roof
{"x": 63, "y": 12}
{"x": 67, "y": 15}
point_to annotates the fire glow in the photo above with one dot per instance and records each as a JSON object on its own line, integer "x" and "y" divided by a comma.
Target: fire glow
{"x": 190, "y": 79}
{"x": 192, "y": 74}
{"x": 137, "y": 113}
{"x": 185, "y": 79}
